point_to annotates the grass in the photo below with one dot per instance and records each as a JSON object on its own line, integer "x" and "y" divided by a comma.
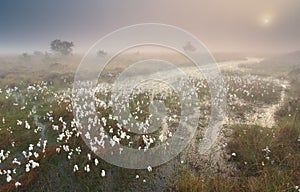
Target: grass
{"x": 266, "y": 159}
{"x": 247, "y": 142}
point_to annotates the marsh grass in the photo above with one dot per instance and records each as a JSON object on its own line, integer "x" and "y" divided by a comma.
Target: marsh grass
{"x": 267, "y": 159}
{"x": 257, "y": 169}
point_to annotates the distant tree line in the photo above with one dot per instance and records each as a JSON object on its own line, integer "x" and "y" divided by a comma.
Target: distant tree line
{"x": 60, "y": 47}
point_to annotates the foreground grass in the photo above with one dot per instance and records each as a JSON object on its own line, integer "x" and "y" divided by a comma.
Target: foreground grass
{"x": 265, "y": 159}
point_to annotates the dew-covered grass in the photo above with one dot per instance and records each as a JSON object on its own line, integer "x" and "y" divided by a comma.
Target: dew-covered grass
{"x": 41, "y": 148}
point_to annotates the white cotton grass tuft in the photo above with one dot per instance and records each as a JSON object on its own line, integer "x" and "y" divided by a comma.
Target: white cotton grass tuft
{"x": 75, "y": 168}
{"x": 149, "y": 168}
{"x": 27, "y": 169}
{"x": 103, "y": 173}
{"x": 87, "y": 168}
{"x": 96, "y": 162}
{"x": 17, "y": 184}
{"x": 8, "y": 178}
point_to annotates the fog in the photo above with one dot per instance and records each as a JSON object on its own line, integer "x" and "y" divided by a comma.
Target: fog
{"x": 224, "y": 26}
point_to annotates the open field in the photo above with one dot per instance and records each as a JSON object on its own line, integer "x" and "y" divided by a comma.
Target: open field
{"x": 41, "y": 149}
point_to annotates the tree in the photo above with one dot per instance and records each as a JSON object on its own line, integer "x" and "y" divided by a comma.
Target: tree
{"x": 63, "y": 47}
{"x": 37, "y": 53}
{"x": 189, "y": 47}
{"x": 101, "y": 53}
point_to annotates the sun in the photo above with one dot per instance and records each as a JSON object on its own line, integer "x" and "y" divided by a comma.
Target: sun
{"x": 266, "y": 20}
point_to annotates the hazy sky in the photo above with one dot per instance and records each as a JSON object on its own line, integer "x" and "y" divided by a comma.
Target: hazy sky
{"x": 223, "y": 25}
